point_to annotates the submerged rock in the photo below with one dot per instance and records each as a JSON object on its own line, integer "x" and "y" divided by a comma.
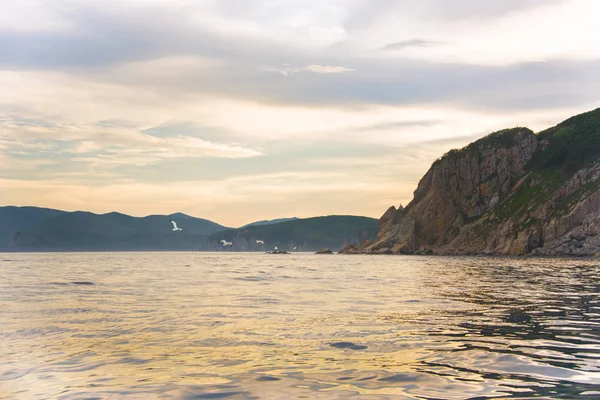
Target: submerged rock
{"x": 348, "y": 345}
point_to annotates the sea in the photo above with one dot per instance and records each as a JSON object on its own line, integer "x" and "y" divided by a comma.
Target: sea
{"x": 186, "y": 325}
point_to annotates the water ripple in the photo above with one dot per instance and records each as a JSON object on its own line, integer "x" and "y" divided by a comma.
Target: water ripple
{"x": 239, "y": 326}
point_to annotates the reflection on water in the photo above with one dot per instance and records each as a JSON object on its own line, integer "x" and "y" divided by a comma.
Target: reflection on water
{"x": 245, "y": 326}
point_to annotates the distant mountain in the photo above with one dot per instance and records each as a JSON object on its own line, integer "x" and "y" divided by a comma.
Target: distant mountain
{"x": 511, "y": 192}
{"x": 43, "y": 229}
{"x": 15, "y": 219}
{"x": 269, "y": 221}
{"x": 38, "y": 229}
{"x": 308, "y": 234}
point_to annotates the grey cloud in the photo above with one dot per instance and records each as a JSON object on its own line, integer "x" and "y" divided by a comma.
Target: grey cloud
{"x": 554, "y": 83}
{"x": 404, "y": 44}
{"x": 173, "y": 129}
{"x": 399, "y": 82}
{"x": 35, "y": 148}
{"x": 13, "y": 120}
{"x": 115, "y": 123}
{"x": 283, "y": 156}
{"x": 452, "y": 141}
{"x": 468, "y": 9}
{"x": 367, "y": 12}
{"x": 99, "y": 38}
{"x": 103, "y": 38}
{"x": 398, "y": 124}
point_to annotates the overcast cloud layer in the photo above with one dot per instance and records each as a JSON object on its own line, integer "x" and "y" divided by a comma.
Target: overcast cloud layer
{"x": 237, "y": 110}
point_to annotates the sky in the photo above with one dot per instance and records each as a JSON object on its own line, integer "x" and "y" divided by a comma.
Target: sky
{"x": 236, "y": 110}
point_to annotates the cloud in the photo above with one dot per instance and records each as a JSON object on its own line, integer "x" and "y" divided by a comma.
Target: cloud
{"x": 473, "y": 9}
{"x": 86, "y": 146}
{"x": 100, "y": 146}
{"x": 404, "y": 44}
{"x": 180, "y": 50}
{"x": 396, "y": 125}
{"x": 395, "y": 81}
{"x": 151, "y": 150}
{"x": 318, "y": 69}
{"x": 32, "y": 16}
{"x": 368, "y": 13}
{"x": 327, "y": 69}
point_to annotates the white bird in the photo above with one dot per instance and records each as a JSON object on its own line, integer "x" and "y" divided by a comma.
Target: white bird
{"x": 295, "y": 248}
{"x": 276, "y": 248}
{"x": 260, "y": 242}
{"x": 175, "y": 228}
{"x": 225, "y": 242}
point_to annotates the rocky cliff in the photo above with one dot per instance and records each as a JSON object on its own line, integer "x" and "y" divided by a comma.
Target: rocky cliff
{"x": 511, "y": 192}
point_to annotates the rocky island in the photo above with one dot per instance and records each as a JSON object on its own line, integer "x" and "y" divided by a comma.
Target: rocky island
{"x": 512, "y": 192}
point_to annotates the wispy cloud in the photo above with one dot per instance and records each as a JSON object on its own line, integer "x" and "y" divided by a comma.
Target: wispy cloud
{"x": 318, "y": 69}
{"x": 404, "y": 44}
{"x": 162, "y": 149}
{"x": 328, "y": 69}
{"x": 96, "y": 147}
{"x": 397, "y": 124}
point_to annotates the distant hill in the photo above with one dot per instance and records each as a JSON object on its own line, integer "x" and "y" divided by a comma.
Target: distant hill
{"x": 38, "y": 229}
{"x": 43, "y": 229}
{"x": 269, "y": 221}
{"x": 15, "y": 219}
{"x": 308, "y": 234}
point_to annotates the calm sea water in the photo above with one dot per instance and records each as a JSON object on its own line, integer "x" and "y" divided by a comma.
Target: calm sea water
{"x": 300, "y": 326}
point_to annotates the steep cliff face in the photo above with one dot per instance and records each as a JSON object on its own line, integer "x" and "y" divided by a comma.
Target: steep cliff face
{"x": 511, "y": 192}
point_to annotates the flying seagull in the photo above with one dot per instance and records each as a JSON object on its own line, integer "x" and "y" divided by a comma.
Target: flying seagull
{"x": 175, "y": 228}
{"x": 260, "y": 242}
{"x": 225, "y": 242}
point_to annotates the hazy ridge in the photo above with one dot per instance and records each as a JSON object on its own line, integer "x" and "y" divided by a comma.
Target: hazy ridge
{"x": 42, "y": 229}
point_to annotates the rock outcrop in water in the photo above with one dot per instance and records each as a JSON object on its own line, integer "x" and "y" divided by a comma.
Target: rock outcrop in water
{"x": 511, "y": 192}
{"x": 324, "y": 251}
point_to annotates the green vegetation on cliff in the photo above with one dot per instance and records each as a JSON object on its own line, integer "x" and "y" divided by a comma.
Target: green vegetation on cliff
{"x": 564, "y": 149}
{"x": 570, "y": 145}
